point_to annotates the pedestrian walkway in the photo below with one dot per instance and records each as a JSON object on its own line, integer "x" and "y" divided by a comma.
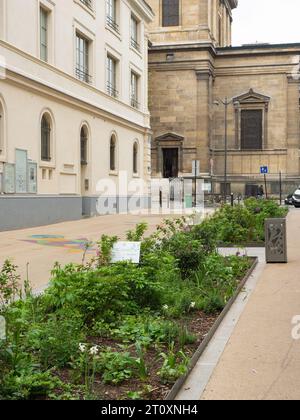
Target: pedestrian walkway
{"x": 35, "y": 250}
{"x": 261, "y": 360}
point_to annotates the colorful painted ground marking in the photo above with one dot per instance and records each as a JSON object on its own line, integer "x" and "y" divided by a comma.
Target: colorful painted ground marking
{"x": 76, "y": 245}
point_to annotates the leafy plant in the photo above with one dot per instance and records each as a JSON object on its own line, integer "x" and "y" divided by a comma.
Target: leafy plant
{"x": 9, "y": 283}
{"x": 116, "y": 367}
{"x": 140, "y": 362}
{"x": 175, "y": 365}
{"x": 105, "y": 247}
{"x": 56, "y": 340}
{"x": 137, "y": 234}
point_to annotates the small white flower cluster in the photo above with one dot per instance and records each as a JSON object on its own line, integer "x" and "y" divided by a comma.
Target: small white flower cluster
{"x": 193, "y": 305}
{"x": 93, "y": 350}
{"x": 165, "y": 307}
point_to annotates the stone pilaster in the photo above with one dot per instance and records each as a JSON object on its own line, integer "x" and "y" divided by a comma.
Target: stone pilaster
{"x": 204, "y": 118}
{"x": 293, "y": 124}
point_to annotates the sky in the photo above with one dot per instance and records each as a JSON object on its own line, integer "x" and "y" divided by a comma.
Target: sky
{"x": 271, "y": 21}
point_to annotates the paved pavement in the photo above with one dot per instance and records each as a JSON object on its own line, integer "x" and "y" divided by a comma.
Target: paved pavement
{"x": 37, "y": 249}
{"x": 261, "y": 360}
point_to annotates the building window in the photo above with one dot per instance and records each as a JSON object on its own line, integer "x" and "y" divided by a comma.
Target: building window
{"x": 111, "y": 14}
{"x": 251, "y": 129}
{"x": 112, "y": 76}
{"x": 135, "y": 158}
{"x": 44, "y": 34}
{"x": 113, "y": 147}
{"x": 46, "y": 138}
{"x": 135, "y": 33}
{"x": 134, "y": 90}
{"x": 84, "y": 145}
{"x": 82, "y": 59}
{"x": 170, "y": 13}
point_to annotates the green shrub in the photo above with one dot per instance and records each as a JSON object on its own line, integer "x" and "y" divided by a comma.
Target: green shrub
{"x": 116, "y": 367}
{"x": 99, "y": 293}
{"x": 146, "y": 329}
{"x": 187, "y": 250}
{"x": 28, "y": 385}
{"x": 56, "y": 341}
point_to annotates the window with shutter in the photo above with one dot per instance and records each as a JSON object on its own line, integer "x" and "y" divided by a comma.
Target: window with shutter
{"x": 251, "y": 129}
{"x": 170, "y": 13}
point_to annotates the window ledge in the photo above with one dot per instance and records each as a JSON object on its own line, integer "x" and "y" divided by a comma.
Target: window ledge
{"x": 113, "y": 173}
{"x": 137, "y": 52}
{"x": 47, "y": 165}
{"x": 115, "y": 33}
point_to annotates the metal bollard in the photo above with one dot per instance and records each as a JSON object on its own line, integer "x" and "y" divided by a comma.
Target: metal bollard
{"x": 276, "y": 241}
{"x": 232, "y": 199}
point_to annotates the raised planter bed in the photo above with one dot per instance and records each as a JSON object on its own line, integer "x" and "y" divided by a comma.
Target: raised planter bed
{"x": 178, "y": 385}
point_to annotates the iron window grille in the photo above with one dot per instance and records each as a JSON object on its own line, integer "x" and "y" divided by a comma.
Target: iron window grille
{"x": 87, "y": 3}
{"x": 135, "y": 44}
{"x": 111, "y": 22}
{"x": 112, "y": 91}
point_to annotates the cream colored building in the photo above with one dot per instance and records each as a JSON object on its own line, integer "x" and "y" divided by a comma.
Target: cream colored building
{"x": 73, "y": 106}
{"x": 193, "y": 68}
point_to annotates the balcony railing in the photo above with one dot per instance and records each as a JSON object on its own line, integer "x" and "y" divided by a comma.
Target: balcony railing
{"x": 135, "y": 44}
{"x": 111, "y": 22}
{"x": 135, "y": 103}
{"x": 87, "y": 3}
{"x": 112, "y": 91}
{"x": 83, "y": 75}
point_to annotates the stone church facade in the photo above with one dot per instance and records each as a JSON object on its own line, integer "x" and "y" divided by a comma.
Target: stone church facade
{"x": 193, "y": 71}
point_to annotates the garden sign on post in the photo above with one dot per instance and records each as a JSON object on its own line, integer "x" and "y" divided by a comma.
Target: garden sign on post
{"x": 2, "y": 328}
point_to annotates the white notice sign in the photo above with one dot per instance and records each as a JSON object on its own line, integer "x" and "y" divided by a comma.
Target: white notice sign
{"x": 2, "y": 328}
{"x": 126, "y": 251}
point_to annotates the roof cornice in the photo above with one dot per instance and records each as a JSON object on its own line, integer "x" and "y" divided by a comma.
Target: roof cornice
{"x": 143, "y": 7}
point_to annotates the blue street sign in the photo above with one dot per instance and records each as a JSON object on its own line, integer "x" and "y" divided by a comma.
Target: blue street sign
{"x": 264, "y": 170}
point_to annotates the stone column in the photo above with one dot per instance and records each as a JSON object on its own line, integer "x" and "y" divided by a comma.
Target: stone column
{"x": 204, "y": 118}
{"x": 293, "y": 124}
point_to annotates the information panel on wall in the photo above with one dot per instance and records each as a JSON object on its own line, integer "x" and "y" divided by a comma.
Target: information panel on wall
{"x": 9, "y": 180}
{"x": 21, "y": 171}
{"x": 32, "y": 177}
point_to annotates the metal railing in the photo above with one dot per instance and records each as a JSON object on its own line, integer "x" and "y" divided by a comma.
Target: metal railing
{"x": 112, "y": 91}
{"x": 135, "y": 44}
{"x": 87, "y": 3}
{"x": 111, "y": 22}
{"x": 83, "y": 75}
{"x": 135, "y": 103}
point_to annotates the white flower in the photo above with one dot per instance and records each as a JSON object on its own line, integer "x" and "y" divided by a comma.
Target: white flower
{"x": 165, "y": 307}
{"x": 193, "y": 305}
{"x": 82, "y": 348}
{"x": 94, "y": 351}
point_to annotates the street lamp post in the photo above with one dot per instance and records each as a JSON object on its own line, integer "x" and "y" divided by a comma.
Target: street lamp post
{"x": 226, "y": 102}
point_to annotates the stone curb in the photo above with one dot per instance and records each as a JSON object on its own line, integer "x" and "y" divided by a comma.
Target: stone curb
{"x": 179, "y": 384}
